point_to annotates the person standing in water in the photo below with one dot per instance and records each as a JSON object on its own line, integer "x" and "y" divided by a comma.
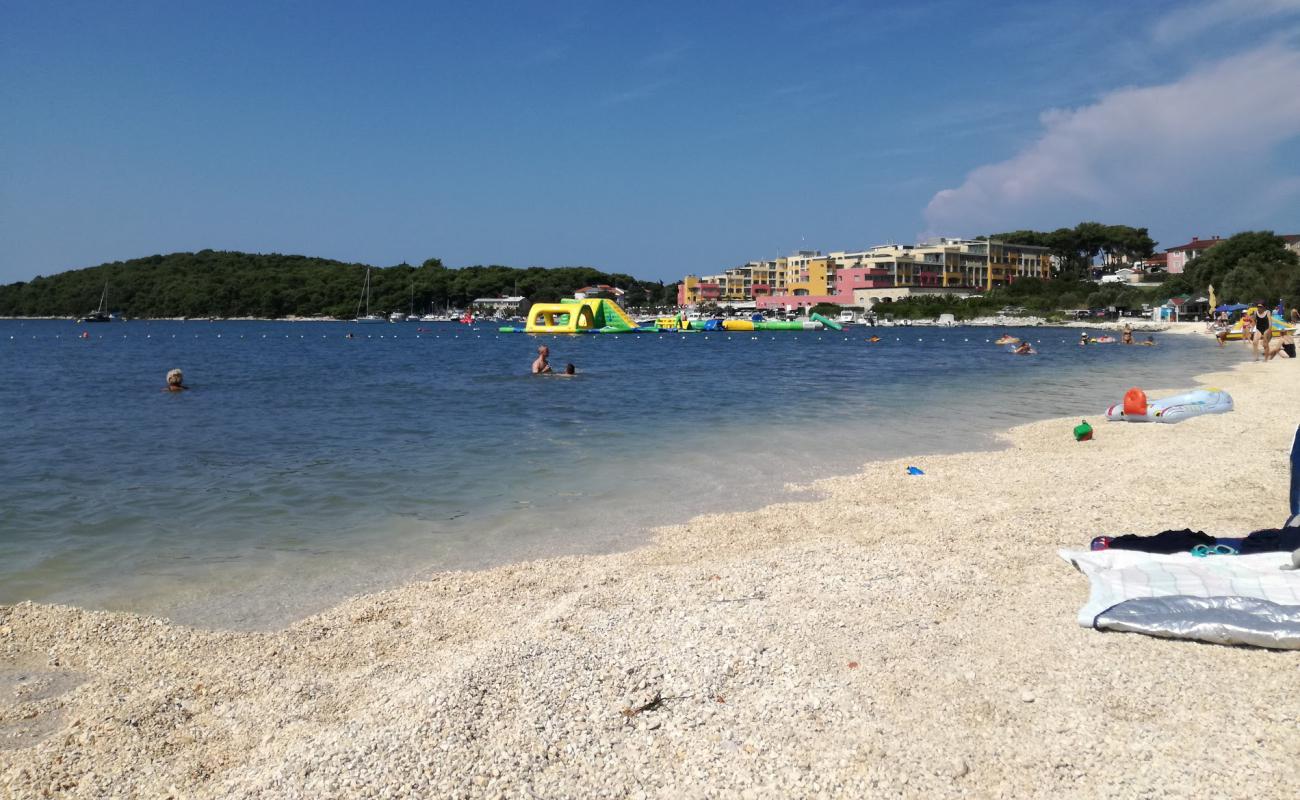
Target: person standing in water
{"x": 543, "y": 364}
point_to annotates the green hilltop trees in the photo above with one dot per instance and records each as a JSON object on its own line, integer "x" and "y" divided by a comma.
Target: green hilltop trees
{"x": 1076, "y": 247}
{"x": 1250, "y": 266}
{"x": 233, "y": 284}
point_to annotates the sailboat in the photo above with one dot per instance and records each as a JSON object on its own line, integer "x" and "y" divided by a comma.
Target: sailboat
{"x": 100, "y": 314}
{"x": 365, "y": 298}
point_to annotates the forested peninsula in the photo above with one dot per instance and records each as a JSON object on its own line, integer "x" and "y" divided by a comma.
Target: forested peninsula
{"x": 215, "y": 283}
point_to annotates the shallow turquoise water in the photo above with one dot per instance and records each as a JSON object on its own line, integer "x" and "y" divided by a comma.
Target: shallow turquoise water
{"x": 304, "y": 466}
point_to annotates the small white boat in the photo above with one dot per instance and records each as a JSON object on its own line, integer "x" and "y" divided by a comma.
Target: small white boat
{"x": 397, "y": 316}
{"x": 367, "y": 318}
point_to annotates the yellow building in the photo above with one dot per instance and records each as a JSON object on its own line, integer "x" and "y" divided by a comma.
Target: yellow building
{"x": 807, "y": 273}
{"x": 688, "y": 291}
{"x": 1007, "y": 262}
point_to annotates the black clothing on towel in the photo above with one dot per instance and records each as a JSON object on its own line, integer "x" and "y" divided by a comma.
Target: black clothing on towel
{"x": 1270, "y": 540}
{"x": 1166, "y": 542}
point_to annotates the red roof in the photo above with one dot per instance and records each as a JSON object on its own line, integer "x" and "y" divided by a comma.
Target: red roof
{"x": 1290, "y": 238}
{"x": 1195, "y": 244}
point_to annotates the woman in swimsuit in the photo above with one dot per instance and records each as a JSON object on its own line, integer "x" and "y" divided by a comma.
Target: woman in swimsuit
{"x": 1263, "y": 319}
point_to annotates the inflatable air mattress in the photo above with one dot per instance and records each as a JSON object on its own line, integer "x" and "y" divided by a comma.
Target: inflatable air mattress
{"x": 1176, "y": 408}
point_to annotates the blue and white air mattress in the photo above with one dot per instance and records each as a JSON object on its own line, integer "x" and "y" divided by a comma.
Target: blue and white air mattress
{"x": 1176, "y": 408}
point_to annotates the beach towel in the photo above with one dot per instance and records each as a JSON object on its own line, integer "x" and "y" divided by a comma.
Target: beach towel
{"x": 1246, "y": 599}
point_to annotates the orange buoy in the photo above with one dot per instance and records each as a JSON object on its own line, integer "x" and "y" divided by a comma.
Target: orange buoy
{"x": 1135, "y": 402}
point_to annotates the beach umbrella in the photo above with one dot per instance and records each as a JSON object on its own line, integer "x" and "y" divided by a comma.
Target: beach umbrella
{"x": 1213, "y": 302}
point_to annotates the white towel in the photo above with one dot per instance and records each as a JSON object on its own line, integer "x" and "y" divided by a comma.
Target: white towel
{"x": 1118, "y": 575}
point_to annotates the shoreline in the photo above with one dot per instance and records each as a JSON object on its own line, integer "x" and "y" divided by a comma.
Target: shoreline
{"x": 894, "y": 635}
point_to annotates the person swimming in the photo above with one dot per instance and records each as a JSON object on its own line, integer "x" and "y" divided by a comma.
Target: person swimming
{"x": 175, "y": 382}
{"x": 569, "y": 372}
{"x": 542, "y": 365}
{"x": 1025, "y": 349}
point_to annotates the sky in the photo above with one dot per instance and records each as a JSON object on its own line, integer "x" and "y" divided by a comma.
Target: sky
{"x": 655, "y": 139}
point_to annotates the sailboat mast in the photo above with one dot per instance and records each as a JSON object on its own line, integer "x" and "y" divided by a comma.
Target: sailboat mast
{"x": 365, "y": 294}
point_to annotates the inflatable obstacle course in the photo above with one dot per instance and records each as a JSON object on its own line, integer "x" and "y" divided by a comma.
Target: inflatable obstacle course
{"x": 605, "y": 316}
{"x": 578, "y": 316}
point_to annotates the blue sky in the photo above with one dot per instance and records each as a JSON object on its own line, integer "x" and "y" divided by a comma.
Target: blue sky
{"x": 650, "y": 138}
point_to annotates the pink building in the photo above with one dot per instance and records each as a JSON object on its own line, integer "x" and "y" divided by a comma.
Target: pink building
{"x": 1183, "y": 253}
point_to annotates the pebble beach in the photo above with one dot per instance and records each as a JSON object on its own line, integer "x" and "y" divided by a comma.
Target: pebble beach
{"x": 883, "y": 635}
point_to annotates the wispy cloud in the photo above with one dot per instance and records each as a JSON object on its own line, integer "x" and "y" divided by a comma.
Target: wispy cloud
{"x": 639, "y": 92}
{"x": 551, "y": 53}
{"x": 1207, "y": 138}
{"x": 665, "y": 57}
{"x": 1190, "y": 21}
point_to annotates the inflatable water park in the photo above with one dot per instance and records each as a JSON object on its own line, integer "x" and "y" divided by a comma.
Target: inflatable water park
{"x": 598, "y": 315}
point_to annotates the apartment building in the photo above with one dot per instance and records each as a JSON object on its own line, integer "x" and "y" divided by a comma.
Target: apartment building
{"x": 1181, "y": 255}
{"x": 863, "y": 278}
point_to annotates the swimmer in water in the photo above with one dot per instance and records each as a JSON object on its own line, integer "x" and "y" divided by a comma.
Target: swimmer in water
{"x": 874, "y": 339}
{"x": 569, "y": 372}
{"x": 175, "y": 382}
{"x": 542, "y": 365}
{"x": 1024, "y": 349}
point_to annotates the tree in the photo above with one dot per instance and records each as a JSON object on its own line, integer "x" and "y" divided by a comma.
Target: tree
{"x": 826, "y": 309}
{"x": 1267, "y": 264}
{"x": 229, "y": 284}
{"x": 1255, "y": 277}
{"x": 1076, "y": 248}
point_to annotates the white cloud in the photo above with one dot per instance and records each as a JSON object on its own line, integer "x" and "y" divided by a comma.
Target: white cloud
{"x": 1207, "y": 15}
{"x": 1201, "y": 143}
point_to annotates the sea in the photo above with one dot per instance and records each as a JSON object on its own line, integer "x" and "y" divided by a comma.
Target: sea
{"x": 305, "y": 465}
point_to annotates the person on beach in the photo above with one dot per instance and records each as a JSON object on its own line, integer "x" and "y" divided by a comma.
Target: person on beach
{"x": 542, "y": 365}
{"x": 1263, "y": 321}
{"x": 175, "y": 382}
{"x": 1284, "y": 344}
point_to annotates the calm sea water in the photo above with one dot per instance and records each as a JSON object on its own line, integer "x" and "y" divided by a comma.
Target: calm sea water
{"x": 304, "y": 466}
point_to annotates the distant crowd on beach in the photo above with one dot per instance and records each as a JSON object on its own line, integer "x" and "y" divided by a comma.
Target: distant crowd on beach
{"x": 1257, "y": 329}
